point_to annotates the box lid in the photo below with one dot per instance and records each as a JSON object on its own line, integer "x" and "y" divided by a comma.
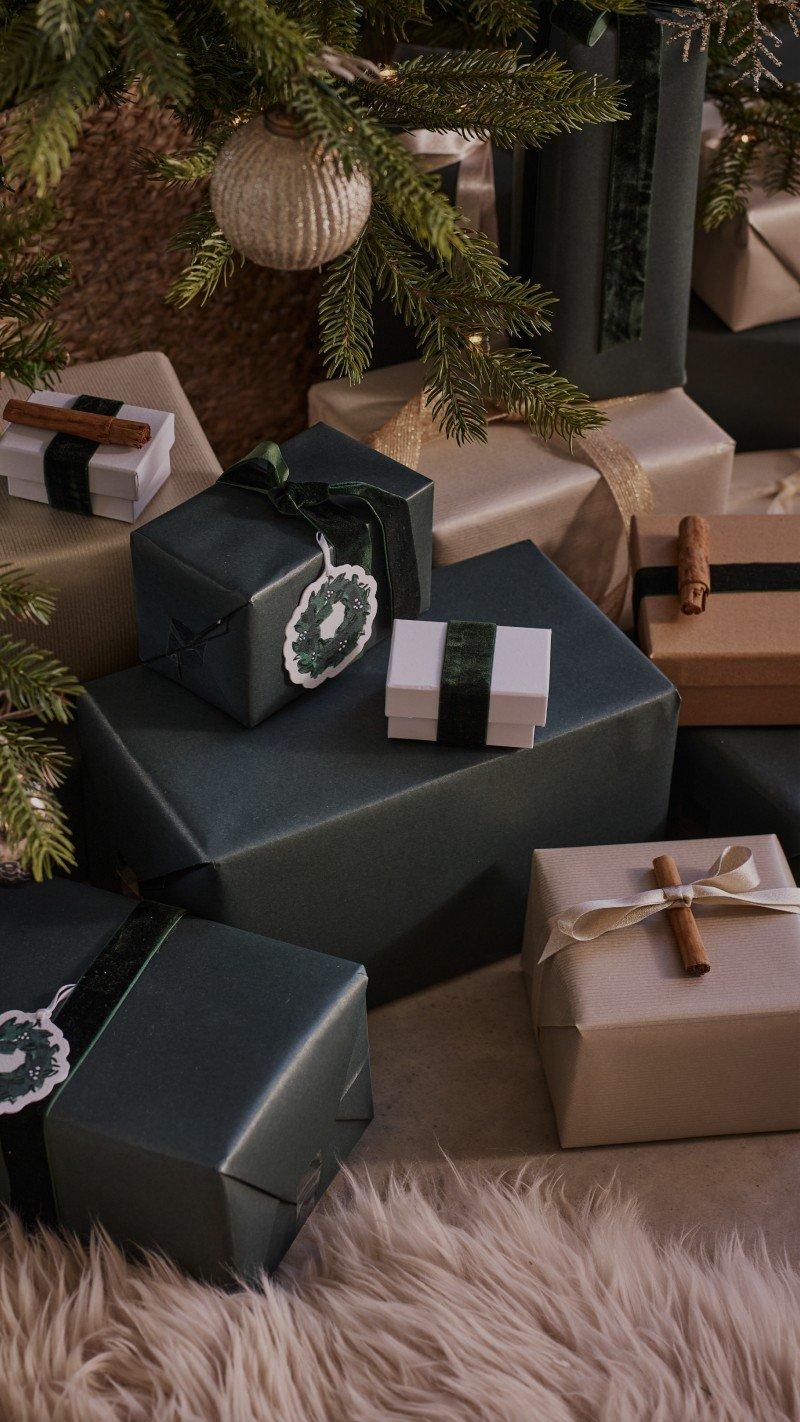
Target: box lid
{"x": 113, "y": 470}
{"x": 742, "y": 638}
{"x": 520, "y": 672}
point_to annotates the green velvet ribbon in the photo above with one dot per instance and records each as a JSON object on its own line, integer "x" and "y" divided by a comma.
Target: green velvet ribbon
{"x": 66, "y": 460}
{"x": 82, "y": 1018}
{"x": 264, "y": 471}
{"x": 466, "y": 683}
{"x": 633, "y": 151}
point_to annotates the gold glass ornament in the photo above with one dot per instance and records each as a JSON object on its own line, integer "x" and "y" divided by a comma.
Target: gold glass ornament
{"x": 281, "y": 204}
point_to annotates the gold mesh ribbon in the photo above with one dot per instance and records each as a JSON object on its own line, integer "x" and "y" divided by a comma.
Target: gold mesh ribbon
{"x": 404, "y": 434}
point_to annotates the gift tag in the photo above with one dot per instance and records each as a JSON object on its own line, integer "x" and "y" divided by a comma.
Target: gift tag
{"x": 332, "y": 622}
{"x": 34, "y": 1054}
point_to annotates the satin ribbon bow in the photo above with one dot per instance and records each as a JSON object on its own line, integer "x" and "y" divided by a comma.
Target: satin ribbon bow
{"x": 781, "y": 494}
{"x": 732, "y": 881}
{"x": 475, "y": 193}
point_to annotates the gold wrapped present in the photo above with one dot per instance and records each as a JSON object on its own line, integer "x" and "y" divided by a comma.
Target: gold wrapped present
{"x": 85, "y": 562}
{"x": 748, "y": 269}
{"x": 657, "y": 452}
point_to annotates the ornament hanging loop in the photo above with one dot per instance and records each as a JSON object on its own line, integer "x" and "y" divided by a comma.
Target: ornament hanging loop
{"x": 328, "y": 564}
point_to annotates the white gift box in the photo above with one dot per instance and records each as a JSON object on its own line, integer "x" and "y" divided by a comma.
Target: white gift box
{"x": 519, "y": 687}
{"x": 121, "y": 481}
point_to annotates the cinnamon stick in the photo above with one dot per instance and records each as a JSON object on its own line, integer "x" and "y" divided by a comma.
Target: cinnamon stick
{"x": 694, "y": 563}
{"x": 62, "y": 419}
{"x": 682, "y": 920}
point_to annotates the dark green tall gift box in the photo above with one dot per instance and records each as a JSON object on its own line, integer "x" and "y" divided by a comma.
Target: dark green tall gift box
{"x": 218, "y": 1090}
{"x": 412, "y": 857}
{"x": 608, "y": 212}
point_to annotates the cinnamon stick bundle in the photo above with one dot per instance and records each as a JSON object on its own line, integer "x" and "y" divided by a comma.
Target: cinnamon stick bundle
{"x": 694, "y": 564}
{"x": 59, "y": 419}
{"x": 682, "y": 920}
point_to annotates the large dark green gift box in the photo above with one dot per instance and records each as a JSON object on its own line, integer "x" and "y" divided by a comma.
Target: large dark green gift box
{"x": 220, "y": 1088}
{"x": 748, "y": 381}
{"x": 744, "y": 780}
{"x": 608, "y": 212}
{"x": 218, "y": 579}
{"x": 412, "y": 857}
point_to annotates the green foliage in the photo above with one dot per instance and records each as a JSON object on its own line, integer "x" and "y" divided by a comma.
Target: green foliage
{"x": 34, "y": 686}
{"x": 31, "y": 282}
{"x": 217, "y": 62}
{"x": 760, "y": 142}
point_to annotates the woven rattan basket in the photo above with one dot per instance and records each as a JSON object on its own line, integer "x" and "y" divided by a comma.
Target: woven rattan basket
{"x": 246, "y": 358}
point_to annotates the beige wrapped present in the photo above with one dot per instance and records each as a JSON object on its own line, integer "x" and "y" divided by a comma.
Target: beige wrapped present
{"x": 748, "y": 269}
{"x": 766, "y": 482}
{"x": 85, "y": 562}
{"x": 634, "y": 1049}
{"x": 658, "y": 452}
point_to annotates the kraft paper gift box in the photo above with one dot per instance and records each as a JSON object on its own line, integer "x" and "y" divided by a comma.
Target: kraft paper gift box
{"x": 743, "y": 776}
{"x": 315, "y": 828}
{"x": 121, "y": 481}
{"x": 738, "y": 662}
{"x": 216, "y": 1078}
{"x": 219, "y": 579}
{"x": 512, "y": 704}
{"x": 608, "y": 212}
{"x": 635, "y": 1049}
{"x": 85, "y": 562}
{"x": 516, "y": 486}
{"x": 748, "y": 269}
{"x": 746, "y": 380}
{"x": 766, "y": 482}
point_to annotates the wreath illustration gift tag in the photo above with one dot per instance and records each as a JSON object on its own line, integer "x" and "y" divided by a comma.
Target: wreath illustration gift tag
{"x": 34, "y": 1054}
{"x": 332, "y": 622}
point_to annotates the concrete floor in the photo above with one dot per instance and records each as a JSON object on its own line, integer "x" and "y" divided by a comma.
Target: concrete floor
{"x": 456, "y": 1069}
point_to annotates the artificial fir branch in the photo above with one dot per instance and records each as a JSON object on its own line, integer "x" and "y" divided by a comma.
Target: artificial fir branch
{"x": 34, "y": 686}
{"x": 760, "y": 141}
{"x": 31, "y": 282}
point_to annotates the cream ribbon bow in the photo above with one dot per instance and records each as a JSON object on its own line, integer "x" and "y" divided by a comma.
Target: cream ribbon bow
{"x": 475, "y": 194}
{"x": 783, "y": 493}
{"x": 731, "y": 881}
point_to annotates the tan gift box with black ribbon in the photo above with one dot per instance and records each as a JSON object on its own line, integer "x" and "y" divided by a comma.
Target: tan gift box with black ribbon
{"x": 737, "y": 663}
{"x": 634, "y": 1048}
{"x": 657, "y": 452}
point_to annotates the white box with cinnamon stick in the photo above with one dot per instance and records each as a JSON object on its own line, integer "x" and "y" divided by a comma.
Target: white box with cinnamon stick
{"x": 666, "y": 1012}
{"x": 119, "y": 479}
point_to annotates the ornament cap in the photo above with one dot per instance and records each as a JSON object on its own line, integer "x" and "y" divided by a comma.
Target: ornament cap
{"x": 281, "y": 122}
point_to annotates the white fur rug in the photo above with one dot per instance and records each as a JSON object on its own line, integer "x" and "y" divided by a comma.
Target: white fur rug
{"x": 467, "y": 1301}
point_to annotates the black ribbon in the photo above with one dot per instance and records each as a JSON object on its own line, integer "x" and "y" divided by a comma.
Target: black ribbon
{"x": 66, "y": 460}
{"x": 633, "y": 151}
{"x": 265, "y": 472}
{"x": 725, "y": 578}
{"x": 81, "y": 1019}
{"x": 466, "y": 683}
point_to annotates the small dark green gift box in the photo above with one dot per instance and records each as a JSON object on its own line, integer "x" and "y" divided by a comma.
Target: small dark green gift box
{"x": 216, "y": 1078}
{"x": 414, "y": 857}
{"x": 218, "y": 579}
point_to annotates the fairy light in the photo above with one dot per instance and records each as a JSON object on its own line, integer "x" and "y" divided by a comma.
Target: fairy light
{"x": 387, "y": 72}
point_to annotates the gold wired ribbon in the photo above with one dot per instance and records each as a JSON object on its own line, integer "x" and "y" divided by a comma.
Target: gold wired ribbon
{"x": 403, "y": 435}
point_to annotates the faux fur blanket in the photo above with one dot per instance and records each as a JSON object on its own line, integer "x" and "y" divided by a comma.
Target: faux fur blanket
{"x": 466, "y": 1300}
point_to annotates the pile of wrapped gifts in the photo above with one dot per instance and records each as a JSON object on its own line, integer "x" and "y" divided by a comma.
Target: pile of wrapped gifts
{"x": 353, "y": 708}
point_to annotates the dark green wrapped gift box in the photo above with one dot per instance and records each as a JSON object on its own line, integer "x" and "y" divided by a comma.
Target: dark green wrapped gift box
{"x": 748, "y": 381}
{"x": 218, "y": 578}
{"x": 220, "y": 1087}
{"x": 744, "y": 780}
{"x": 411, "y": 856}
{"x": 608, "y": 212}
